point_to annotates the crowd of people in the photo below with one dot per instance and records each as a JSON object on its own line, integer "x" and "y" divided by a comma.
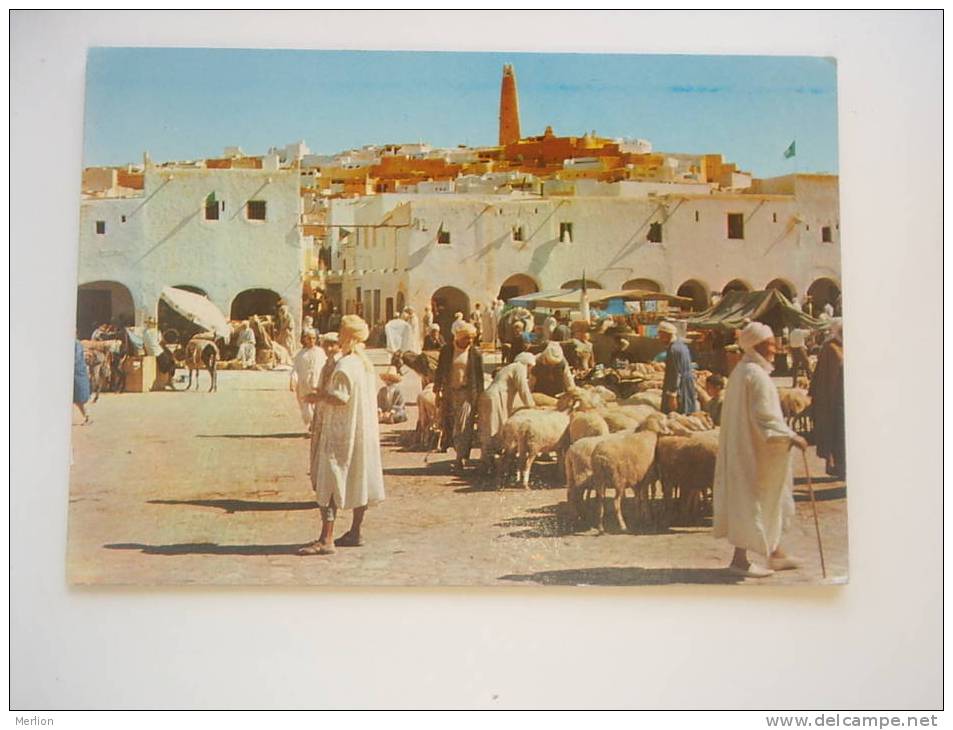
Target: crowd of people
{"x": 342, "y": 405}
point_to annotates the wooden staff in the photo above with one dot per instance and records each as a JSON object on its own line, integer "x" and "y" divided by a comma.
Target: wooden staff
{"x": 817, "y": 524}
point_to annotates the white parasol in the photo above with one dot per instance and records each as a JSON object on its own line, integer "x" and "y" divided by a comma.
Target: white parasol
{"x": 197, "y": 309}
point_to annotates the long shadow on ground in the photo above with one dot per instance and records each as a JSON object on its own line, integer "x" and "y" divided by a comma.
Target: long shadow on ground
{"x": 612, "y": 576}
{"x": 239, "y": 505}
{"x": 206, "y": 548}
{"x": 298, "y": 435}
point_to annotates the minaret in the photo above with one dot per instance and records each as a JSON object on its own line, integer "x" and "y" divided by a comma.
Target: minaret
{"x": 509, "y": 108}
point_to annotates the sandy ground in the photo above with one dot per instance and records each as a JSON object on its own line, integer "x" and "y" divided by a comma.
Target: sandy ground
{"x": 212, "y": 488}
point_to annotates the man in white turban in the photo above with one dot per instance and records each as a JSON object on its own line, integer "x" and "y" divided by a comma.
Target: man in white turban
{"x": 348, "y": 472}
{"x": 753, "y": 498}
{"x": 552, "y": 374}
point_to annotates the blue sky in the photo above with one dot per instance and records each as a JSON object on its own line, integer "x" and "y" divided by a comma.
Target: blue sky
{"x": 191, "y": 103}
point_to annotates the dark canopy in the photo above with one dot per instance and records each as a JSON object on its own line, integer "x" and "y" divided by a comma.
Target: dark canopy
{"x": 736, "y": 309}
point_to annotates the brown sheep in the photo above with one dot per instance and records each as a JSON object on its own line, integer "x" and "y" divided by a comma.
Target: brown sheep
{"x": 625, "y": 460}
{"x": 686, "y": 464}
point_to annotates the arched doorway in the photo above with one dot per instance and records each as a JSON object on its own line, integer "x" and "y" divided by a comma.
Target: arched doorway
{"x": 697, "y": 292}
{"x": 735, "y": 285}
{"x": 254, "y": 301}
{"x": 783, "y": 286}
{"x": 646, "y": 284}
{"x": 824, "y": 291}
{"x": 98, "y": 302}
{"x": 577, "y": 284}
{"x": 517, "y": 285}
{"x": 446, "y": 302}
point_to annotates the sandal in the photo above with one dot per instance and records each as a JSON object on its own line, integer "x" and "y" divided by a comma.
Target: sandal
{"x": 316, "y": 548}
{"x": 349, "y": 540}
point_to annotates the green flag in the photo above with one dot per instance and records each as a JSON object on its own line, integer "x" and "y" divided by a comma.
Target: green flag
{"x": 790, "y": 151}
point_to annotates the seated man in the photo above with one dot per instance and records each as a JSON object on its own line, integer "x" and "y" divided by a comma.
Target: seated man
{"x": 390, "y": 401}
{"x": 713, "y": 396}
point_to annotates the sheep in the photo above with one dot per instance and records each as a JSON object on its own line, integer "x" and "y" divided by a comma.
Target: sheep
{"x": 652, "y": 397}
{"x": 542, "y": 400}
{"x": 795, "y": 405}
{"x": 682, "y": 424}
{"x": 577, "y": 464}
{"x": 686, "y": 463}
{"x": 625, "y": 460}
{"x": 617, "y": 421}
{"x": 527, "y": 434}
{"x": 585, "y": 420}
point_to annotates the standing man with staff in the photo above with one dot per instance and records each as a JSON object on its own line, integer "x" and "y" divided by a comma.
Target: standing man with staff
{"x": 753, "y": 489}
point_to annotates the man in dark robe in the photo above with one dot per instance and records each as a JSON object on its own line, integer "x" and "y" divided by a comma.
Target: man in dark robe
{"x": 827, "y": 403}
{"x": 678, "y": 386}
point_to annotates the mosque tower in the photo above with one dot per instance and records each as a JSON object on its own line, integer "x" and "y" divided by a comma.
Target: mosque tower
{"x": 509, "y": 108}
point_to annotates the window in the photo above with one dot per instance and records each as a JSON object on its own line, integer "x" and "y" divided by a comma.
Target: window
{"x": 517, "y": 233}
{"x": 736, "y": 225}
{"x": 774, "y": 217}
{"x": 826, "y": 234}
{"x": 101, "y": 228}
{"x": 443, "y": 236}
{"x": 696, "y": 216}
{"x": 213, "y": 207}
{"x": 565, "y": 232}
{"x": 123, "y": 219}
{"x": 256, "y": 210}
{"x": 655, "y": 233}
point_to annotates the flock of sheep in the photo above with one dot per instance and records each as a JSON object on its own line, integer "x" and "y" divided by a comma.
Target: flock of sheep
{"x": 605, "y": 444}
{"x": 609, "y": 445}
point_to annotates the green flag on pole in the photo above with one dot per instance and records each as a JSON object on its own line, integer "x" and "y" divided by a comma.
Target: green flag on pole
{"x": 790, "y": 151}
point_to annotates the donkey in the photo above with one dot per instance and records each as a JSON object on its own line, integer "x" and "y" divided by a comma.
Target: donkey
{"x": 202, "y": 353}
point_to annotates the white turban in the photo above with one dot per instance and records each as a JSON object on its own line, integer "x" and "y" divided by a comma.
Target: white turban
{"x": 552, "y": 355}
{"x": 837, "y": 328}
{"x": 753, "y": 334}
{"x": 309, "y": 332}
{"x": 329, "y": 337}
{"x": 527, "y": 358}
{"x": 668, "y": 328}
{"x": 462, "y": 325}
{"x": 355, "y": 327}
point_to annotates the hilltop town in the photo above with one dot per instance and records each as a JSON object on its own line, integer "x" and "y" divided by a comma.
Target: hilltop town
{"x": 386, "y": 226}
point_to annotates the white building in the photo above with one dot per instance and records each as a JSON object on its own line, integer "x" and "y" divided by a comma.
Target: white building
{"x": 231, "y": 234}
{"x": 409, "y": 249}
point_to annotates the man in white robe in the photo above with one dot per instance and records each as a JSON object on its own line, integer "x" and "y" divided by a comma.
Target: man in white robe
{"x": 348, "y": 474}
{"x": 305, "y": 373}
{"x": 397, "y": 335}
{"x": 416, "y": 341}
{"x": 753, "y": 489}
{"x": 509, "y": 391}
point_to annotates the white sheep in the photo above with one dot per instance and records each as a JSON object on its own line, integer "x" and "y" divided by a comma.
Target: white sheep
{"x": 651, "y": 397}
{"x": 625, "y": 460}
{"x": 527, "y": 434}
{"x": 577, "y": 464}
